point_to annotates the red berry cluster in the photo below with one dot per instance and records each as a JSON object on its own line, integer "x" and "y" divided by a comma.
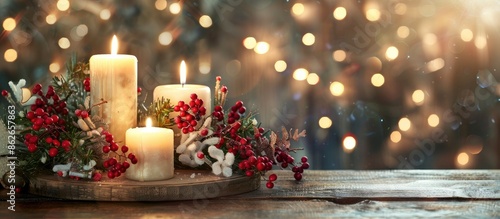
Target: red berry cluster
{"x": 44, "y": 116}
{"x": 285, "y": 159}
{"x": 189, "y": 114}
{"x": 114, "y": 166}
{"x": 254, "y": 164}
{"x": 270, "y": 182}
{"x": 86, "y": 84}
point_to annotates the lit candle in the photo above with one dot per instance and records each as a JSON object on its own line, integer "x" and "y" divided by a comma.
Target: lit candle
{"x": 114, "y": 79}
{"x": 183, "y": 91}
{"x": 154, "y": 149}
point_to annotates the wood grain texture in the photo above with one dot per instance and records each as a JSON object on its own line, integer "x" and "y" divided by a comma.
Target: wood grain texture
{"x": 321, "y": 194}
{"x": 186, "y": 185}
{"x": 220, "y": 208}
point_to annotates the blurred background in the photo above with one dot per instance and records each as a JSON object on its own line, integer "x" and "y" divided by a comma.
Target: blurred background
{"x": 376, "y": 84}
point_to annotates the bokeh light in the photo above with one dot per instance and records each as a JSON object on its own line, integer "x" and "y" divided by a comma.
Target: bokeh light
{"x": 339, "y": 55}
{"x": 395, "y": 136}
{"x": 377, "y": 80}
{"x": 308, "y": 39}
{"x": 325, "y": 122}
{"x": 175, "y": 8}
{"x": 249, "y": 42}
{"x": 480, "y": 42}
{"x": 435, "y": 64}
{"x": 63, "y": 5}
{"x": 400, "y": 8}
{"x": 463, "y": 159}
{"x": 391, "y": 53}
{"x": 466, "y": 35}
{"x": 205, "y": 21}
{"x": 430, "y": 39}
{"x": 404, "y": 124}
{"x": 10, "y": 55}
{"x": 82, "y": 30}
{"x": 403, "y": 32}
{"x": 349, "y": 143}
{"x": 298, "y": 9}
{"x": 51, "y": 19}
{"x": 336, "y": 88}
{"x": 161, "y": 5}
{"x": 165, "y": 38}
{"x": 300, "y": 74}
{"x": 418, "y": 96}
{"x": 340, "y": 13}
{"x": 64, "y": 43}
{"x": 261, "y": 48}
{"x": 54, "y": 67}
{"x": 105, "y": 14}
{"x": 433, "y": 120}
{"x": 312, "y": 78}
{"x": 9, "y": 24}
{"x": 280, "y": 66}
{"x": 372, "y": 14}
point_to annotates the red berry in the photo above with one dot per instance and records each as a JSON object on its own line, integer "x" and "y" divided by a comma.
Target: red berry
{"x": 109, "y": 138}
{"x": 269, "y": 185}
{"x": 48, "y": 140}
{"x": 194, "y": 96}
{"x": 134, "y": 160}
{"x": 52, "y": 152}
{"x": 105, "y": 149}
{"x": 60, "y": 173}
{"x": 84, "y": 114}
{"x": 5, "y": 93}
{"x": 114, "y": 147}
{"x": 284, "y": 164}
{"x": 180, "y": 104}
{"x": 239, "y": 104}
{"x": 131, "y": 156}
{"x": 242, "y": 110}
{"x": 111, "y": 174}
{"x": 36, "y": 88}
{"x": 290, "y": 159}
{"x": 30, "y": 115}
{"x": 200, "y": 155}
{"x": 177, "y": 108}
{"x": 273, "y": 177}
{"x": 223, "y": 89}
{"x": 305, "y": 165}
{"x": 249, "y": 173}
{"x": 78, "y": 112}
{"x": 198, "y": 102}
{"x": 139, "y": 89}
{"x": 56, "y": 143}
{"x": 40, "y": 112}
{"x": 32, "y": 148}
{"x": 297, "y": 176}
{"x": 105, "y": 164}
{"x": 66, "y": 144}
{"x": 303, "y": 159}
{"x": 124, "y": 149}
{"x": 218, "y": 108}
{"x": 125, "y": 164}
{"x": 204, "y": 132}
{"x": 55, "y": 118}
{"x": 218, "y": 78}
{"x": 260, "y": 166}
{"x": 112, "y": 161}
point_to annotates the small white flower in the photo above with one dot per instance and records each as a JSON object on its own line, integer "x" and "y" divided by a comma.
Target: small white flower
{"x": 223, "y": 163}
{"x": 21, "y": 114}
{"x": 254, "y": 122}
{"x": 43, "y": 159}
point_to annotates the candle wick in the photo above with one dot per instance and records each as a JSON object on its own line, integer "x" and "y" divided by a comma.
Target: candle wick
{"x": 182, "y": 85}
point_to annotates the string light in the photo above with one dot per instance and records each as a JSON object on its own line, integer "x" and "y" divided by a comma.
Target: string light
{"x": 466, "y": 35}
{"x": 63, "y": 5}
{"x": 463, "y": 159}
{"x": 64, "y": 43}
{"x": 54, "y": 67}
{"x": 403, "y": 32}
{"x": 372, "y": 14}
{"x": 349, "y": 143}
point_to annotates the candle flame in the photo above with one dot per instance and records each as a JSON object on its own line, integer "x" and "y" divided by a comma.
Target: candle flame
{"x": 114, "y": 45}
{"x": 149, "y": 123}
{"x": 183, "y": 72}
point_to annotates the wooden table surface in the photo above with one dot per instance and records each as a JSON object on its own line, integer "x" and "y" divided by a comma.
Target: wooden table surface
{"x": 321, "y": 194}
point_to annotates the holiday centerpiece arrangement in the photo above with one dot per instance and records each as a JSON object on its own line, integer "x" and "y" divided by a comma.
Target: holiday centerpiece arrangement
{"x": 84, "y": 126}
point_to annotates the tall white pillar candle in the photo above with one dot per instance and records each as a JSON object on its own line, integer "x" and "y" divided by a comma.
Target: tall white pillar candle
{"x": 113, "y": 78}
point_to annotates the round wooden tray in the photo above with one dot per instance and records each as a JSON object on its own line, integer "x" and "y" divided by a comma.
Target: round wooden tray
{"x": 186, "y": 185}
